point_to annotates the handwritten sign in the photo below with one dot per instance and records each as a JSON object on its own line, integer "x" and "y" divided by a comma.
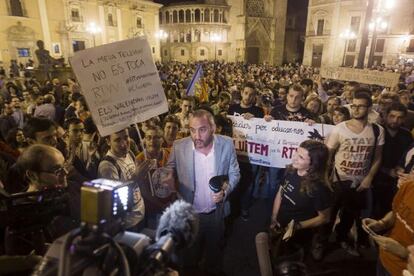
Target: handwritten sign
{"x": 386, "y": 79}
{"x": 120, "y": 83}
{"x": 272, "y": 144}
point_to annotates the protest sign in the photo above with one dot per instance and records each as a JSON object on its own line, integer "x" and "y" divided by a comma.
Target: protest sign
{"x": 386, "y": 79}
{"x": 120, "y": 83}
{"x": 272, "y": 144}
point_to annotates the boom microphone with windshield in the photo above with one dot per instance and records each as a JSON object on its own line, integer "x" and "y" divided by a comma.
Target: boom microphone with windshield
{"x": 177, "y": 229}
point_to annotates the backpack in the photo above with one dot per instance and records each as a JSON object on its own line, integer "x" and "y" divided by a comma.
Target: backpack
{"x": 112, "y": 160}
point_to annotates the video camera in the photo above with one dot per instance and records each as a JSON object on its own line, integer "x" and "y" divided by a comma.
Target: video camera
{"x": 101, "y": 246}
{"x": 32, "y": 210}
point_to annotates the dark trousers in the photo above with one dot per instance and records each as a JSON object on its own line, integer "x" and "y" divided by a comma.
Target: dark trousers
{"x": 248, "y": 181}
{"x": 350, "y": 203}
{"x": 384, "y": 189}
{"x": 205, "y": 255}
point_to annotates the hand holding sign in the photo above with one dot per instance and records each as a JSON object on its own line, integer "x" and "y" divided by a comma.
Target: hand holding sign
{"x": 120, "y": 83}
{"x": 163, "y": 182}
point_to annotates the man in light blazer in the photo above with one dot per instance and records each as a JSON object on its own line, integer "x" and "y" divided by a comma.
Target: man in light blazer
{"x": 195, "y": 160}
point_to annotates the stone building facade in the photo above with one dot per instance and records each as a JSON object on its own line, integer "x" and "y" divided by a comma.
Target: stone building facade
{"x": 63, "y": 25}
{"x": 328, "y": 20}
{"x": 229, "y": 30}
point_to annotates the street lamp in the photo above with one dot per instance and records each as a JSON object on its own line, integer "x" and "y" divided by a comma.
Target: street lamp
{"x": 215, "y": 37}
{"x": 93, "y": 29}
{"x": 161, "y": 34}
{"x": 376, "y": 25}
{"x": 347, "y": 35}
{"x": 375, "y": 7}
{"x": 383, "y": 7}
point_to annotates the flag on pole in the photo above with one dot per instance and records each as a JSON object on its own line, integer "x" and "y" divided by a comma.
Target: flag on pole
{"x": 202, "y": 91}
{"x": 191, "y": 89}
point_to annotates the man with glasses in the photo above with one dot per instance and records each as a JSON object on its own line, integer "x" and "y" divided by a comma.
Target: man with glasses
{"x": 355, "y": 161}
{"x": 44, "y": 169}
{"x": 171, "y": 127}
{"x": 195, "y": 160}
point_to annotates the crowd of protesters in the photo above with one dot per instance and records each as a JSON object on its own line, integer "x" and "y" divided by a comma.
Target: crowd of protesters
{"x": 48, "y": 138}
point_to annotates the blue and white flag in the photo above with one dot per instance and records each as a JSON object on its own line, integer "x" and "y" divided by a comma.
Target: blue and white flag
{"x": 191, "y": 89}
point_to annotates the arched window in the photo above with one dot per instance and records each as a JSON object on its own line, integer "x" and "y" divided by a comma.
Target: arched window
{"x": 175, "y": 17}
{"x": 206, "y": 15}
{"x": 167, "y": 17}
{"x": 139, "y": 22}
{"x": 216, "y": 15}
{"x": 182, "y": 37}
{"x": 160, "y": 17}
{"x": 75, "y": 15}
{"x": 197, "y": 35}
{"x": 110, "y": 19}
{"x": 197, "y": 15}
{"x": 187, "y": 16}
{"x": 16, "y": 8}
{"x": 181, "y": 16}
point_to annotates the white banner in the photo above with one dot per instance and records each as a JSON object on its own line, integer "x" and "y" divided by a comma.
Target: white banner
{"x": 120, "y": 83}
{"x": 272, "y": 144}
{"x": 366, "y": 76}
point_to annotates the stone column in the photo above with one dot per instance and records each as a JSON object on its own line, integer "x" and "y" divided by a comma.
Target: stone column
{"x": 278, "y": 32}
{"x": 119, "y": 22}
{"x": 44, "y": 21}
{"x": 101, "y": 14}
{"x": 332, "y": 47}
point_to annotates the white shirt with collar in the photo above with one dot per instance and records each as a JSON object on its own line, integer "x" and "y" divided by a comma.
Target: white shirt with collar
{"x": 204, "y": 170}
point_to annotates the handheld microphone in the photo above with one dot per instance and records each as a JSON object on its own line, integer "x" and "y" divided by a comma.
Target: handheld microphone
{"x": 216, "y": 183}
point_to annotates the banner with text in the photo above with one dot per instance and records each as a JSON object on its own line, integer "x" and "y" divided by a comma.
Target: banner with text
{"x": 120, "y": 83}
{"x": 386, "y": 79}
{"x": 272, "y": 144}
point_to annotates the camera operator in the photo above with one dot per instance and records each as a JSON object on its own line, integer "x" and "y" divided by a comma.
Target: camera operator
{"x": 48, "y": 174}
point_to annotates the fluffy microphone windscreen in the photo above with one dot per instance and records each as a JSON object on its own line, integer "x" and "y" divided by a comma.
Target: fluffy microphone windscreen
{"x": 179, "y": 220}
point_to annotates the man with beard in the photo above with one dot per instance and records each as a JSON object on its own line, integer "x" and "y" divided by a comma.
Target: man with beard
{"x": 397, "y": 141}
{"x": 355, "y": 161}
{"x": 18, "y": 114}
{"x": 247, "y": 109}
{"x": 195, "y": 160}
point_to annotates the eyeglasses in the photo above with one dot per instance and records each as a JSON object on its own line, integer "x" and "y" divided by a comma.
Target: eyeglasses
{"x": 354, "y": 106}
{"x": 63, "y": 170}
{"x": 78, "y": 130}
